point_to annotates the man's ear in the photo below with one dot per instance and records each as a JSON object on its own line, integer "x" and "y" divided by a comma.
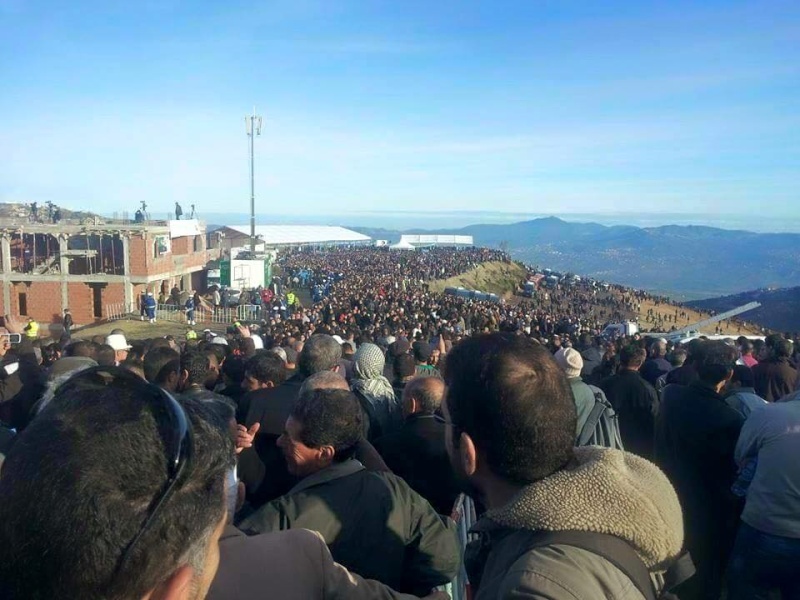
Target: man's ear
{"x": 468, "y": 454}
{"x": 326, "y": 453}
{"x": 177, "y": 586}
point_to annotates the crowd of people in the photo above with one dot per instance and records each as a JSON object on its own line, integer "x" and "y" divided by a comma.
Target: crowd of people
{"x": 319, "y": 453}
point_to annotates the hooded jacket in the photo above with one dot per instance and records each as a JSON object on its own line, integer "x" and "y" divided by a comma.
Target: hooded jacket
{"x": 601, "y": 490}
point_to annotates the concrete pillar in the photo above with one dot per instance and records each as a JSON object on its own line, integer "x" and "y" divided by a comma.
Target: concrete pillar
{"x": 6, "y": 248}
{"x": 63, "y": 268}
{"x": 63, "y": 247}
{"x": 130, "y": 303}
{"x": 187, "y": 282}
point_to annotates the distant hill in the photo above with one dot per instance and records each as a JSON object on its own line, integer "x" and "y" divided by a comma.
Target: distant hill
{"x": 685, "y": 262}
{"x": 780, "y": 309}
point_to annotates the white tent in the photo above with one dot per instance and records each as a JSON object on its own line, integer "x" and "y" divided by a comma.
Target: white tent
{"x": 402, "y": 245}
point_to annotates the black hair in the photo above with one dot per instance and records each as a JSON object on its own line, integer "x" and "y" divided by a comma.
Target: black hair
{"x": 106, "y": 356}
{"x": 716, "y": 363}
{"x": 511, "y": 397}
{"x": 159, "y": 363}
{"x": 233, "y": 369}
{"x": 404, "y": 366}
{"x": 92, "y": 463}
{"x": 196, "y": 364}
{"x": 632, "y": 356}
{"x": 266, "y": 366}
{"x": 744, "y": 375}
{"x": 329, "y": 418}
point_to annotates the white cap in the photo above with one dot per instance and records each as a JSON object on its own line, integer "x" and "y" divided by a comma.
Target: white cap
{"x": 220, "y": 340}
{"x": 338, "y": 339}
{"x": 258, "y": 343}
{"x": 118, "y": 342}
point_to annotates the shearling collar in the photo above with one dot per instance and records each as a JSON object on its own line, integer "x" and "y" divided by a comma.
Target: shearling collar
{"x": 605, "y": 491}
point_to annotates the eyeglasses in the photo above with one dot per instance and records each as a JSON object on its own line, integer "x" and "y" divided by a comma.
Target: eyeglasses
{"x": 177, "y": 437}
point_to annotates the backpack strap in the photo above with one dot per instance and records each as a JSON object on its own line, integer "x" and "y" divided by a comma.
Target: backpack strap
{"x": 591, "y": 422}
{"x": 613, "y": 549}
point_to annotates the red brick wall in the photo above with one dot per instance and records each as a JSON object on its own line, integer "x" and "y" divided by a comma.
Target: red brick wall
{"x": 44, "y": 300}
{"x": 181, "y": 258}
{"x": 181, "y": 246}
{"x": 141, "y": 251}
{"x": 81, "y": 303}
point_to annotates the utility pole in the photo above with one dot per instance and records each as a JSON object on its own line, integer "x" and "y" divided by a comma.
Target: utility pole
{"x": 253, "y": 125}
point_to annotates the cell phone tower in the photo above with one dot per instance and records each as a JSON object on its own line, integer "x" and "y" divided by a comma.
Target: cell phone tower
{"x": 253, "y": 126}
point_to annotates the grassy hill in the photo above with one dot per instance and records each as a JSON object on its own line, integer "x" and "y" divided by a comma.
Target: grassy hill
{"x": 495, "y": 277}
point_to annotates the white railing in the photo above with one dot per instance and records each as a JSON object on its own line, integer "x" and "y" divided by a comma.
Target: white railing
{"x": 177, "y": 314}
{"x": 116, "y": 311}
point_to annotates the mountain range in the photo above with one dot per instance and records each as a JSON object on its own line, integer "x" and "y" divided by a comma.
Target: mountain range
{"x": 683, "y": 262}
{"x": 779, "y": 310}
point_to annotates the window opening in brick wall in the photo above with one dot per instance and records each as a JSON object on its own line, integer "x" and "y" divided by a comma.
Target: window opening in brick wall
{"x": 23, "y": 304}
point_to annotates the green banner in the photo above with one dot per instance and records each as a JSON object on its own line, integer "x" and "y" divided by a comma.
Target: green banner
{"x": 225, "y": 272}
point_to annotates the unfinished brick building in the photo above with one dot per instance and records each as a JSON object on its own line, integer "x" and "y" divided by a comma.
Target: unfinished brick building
{"x": 96, "y": 269}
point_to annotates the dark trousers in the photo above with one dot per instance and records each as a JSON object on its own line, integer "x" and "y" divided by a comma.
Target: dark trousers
{"x": 761, "y": 563}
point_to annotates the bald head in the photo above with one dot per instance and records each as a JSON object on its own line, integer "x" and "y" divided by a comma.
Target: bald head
{"x": 324, "y": 380}
{"x": 423, "y": 395}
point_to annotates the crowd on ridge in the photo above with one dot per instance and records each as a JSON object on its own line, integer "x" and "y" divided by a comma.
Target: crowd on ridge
{"x": 319, "y": 454}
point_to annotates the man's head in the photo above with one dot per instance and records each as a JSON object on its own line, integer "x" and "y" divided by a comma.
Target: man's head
{"x": 742, "y": 377}
{"x": 107, "y": 356}
{"x": 323, "y": 427}
{"x": 632, "y": 357}
{"x": 196, "y": 369}
{"x": 162, "y": 367}
{"x": 422, "y": 396}
{"x": 263, "y": 370}
{"x": 677, "y": 357}
{"x": 716, "y": 365}
{"x": 120, "y": 345}
{"x": 102, "y": 529}
{"x": 422, "y": 352}
{"x": 570, "y": 361}
{"x": 324, "y": 380}
{"x": 659, "y": 348}
{"x": 782, "y": 348}
{"x": 320, "y": 353}
{"x": 404, "y": 367}
{"x": 510, "y": 411}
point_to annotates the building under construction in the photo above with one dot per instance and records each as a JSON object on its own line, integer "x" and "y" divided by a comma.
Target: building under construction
{"x": 97, "y": 269}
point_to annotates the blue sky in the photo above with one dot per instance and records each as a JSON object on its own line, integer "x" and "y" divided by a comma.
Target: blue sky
{"x": 532, "y": 106}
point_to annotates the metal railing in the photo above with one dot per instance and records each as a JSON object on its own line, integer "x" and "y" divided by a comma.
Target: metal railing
{"x": 464, "y": 516}
{"x": 177, "y": 314}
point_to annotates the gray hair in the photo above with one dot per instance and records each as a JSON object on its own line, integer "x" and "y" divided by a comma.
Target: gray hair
{"x": 320, "y": 353}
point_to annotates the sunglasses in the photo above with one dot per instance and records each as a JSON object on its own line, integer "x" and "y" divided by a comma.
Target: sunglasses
{"x": 177, "y": 436}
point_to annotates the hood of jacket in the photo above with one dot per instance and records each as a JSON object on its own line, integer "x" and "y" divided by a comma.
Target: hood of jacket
{"x": 604, "y": 491}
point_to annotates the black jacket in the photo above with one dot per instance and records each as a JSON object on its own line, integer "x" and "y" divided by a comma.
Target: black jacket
{"x": 373, "y": 523}
{"x": 417, "y": 453}
{"x": 262, "y": 468}
{"x": 636, "y": 403}
{"x": 696, "y": 434}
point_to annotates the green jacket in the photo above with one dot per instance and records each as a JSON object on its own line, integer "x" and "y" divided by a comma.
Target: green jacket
{"x": 374, "y": 524}
{"x": 601, "y": 490}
